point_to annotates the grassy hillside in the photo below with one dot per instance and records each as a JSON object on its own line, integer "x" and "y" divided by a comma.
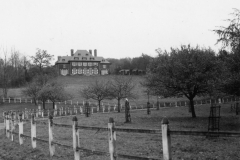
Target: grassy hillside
{"x": 73, "y": 84}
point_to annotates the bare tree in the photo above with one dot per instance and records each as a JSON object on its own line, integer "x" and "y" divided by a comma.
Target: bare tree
{"x": 32, "y": 90}
{"x": 55, "y": 92}
{"x": 41, "y": 59}
{"x": 5, "y": 76}
{"x": 122, "y": 87}
{"x": 98, "y": 91}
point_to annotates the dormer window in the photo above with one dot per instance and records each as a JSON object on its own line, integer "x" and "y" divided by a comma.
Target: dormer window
{"x": 63, "y": 60}
{"x": 79, "y": 54}
{"x": 76, "y": 58}
{"x": 84, "y": 58}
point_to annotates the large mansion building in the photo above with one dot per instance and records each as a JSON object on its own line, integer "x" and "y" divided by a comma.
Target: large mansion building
{"x": 82, "y": 62}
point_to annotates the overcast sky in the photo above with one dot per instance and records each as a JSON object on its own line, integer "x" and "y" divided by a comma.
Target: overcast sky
{"x": 116, "y": 28}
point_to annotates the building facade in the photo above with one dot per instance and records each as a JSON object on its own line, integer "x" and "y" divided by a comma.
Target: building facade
{"x": 82, "y": 62}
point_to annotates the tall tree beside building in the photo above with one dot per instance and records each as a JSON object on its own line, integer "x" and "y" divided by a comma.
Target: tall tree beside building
{"x": 41, "y": 59}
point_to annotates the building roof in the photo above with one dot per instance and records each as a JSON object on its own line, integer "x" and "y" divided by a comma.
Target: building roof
{"x": 81, "y": 56}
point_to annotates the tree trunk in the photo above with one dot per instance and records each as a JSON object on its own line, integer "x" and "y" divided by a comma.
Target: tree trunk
{"x": 119, "y": 109}
{"x": 99, "y": 105}
{"x": 5, "y": 92}
{"x": 53, "y": 105}
{"x": 35, "y": 101}
{"x": 192, "y": 108}
{"x": 127, "y": 112}
{"x": 43, "y": 102}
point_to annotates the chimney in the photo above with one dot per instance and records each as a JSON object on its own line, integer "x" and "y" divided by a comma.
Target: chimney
{"x": 90, "y": 51}
{"x": 72, "y": 52}
{"x": 95, "y": 53}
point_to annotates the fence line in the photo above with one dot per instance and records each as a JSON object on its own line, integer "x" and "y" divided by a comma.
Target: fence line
{"x": 61, "y": 111}
{"x": 180, "y": 103}
{"x": 11, "y": 120}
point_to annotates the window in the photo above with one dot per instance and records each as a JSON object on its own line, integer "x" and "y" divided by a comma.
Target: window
{"x": 84, "y": 63}
{"x": 76, "y": 58}
{"x": 95, "y": 64}
{"x": 85, "y": 71}
{"x": 74, "y": 71}
{"x": 104, "y": 66}
{"x": 95, "y": 71}
{"x": 79, "y": 54}
{"x": 79, "y": 71}
{"x": 64, "y": 72}
{"x": 64, "y": 66}
{"x": 74, "y": 63}
{"x": 89, "y": 63}
{"x": 79, "y": 63}
{"x": 84, "y": 58}
{"x": 90, "y": 71}
{"x": 91, "y": 58}
{"x": 63, "y": 60}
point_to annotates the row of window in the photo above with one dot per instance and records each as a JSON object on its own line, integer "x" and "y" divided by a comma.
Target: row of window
{"x": 84, "y": 64}
{"x": 84, "y": 71}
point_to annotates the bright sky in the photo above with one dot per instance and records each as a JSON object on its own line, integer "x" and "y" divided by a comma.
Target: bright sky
{"x": 116, "y": 28}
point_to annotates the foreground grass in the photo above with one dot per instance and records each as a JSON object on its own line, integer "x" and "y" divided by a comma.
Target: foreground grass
{"x": 147, "y": 145}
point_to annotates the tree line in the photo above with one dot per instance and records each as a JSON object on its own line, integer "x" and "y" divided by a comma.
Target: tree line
{"x": 17, "y": 70}
{"x": 140, "y": 62}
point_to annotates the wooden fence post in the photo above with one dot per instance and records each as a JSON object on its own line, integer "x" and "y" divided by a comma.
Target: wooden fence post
{"x": 50, "y": 132}
{"x": 20, "y": 125}
{"x": 4, "y": 121}
{"x": 7, "y": 125}
{"x": 55, "y": 110}
{"x": 166, "y": 140}
{"x": 76, "y": 142}
{"x": 112, "y": 139}
{"x": 33, "y": 132}
{"x": 12, "y": 125}
{"x": 81, "y": 110}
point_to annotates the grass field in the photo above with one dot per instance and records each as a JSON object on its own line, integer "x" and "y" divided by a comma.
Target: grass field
{"x": 183, "y": 147}
{"x": 73, "y": 84}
